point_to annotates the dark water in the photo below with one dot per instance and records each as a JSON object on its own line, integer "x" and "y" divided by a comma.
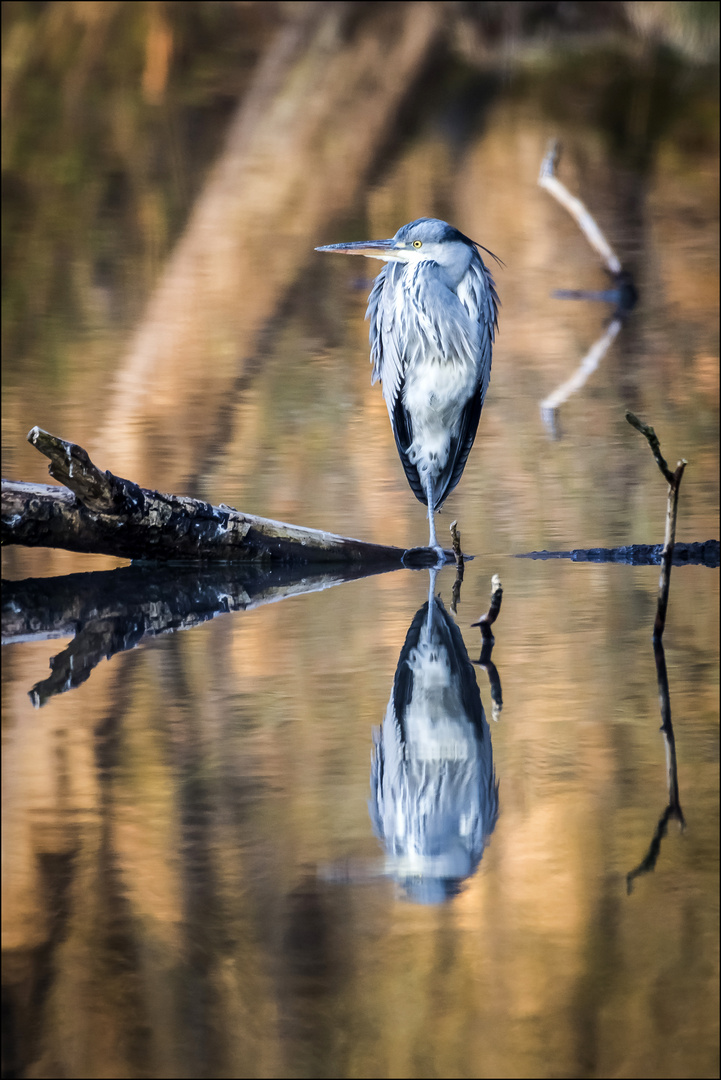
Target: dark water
{"x": 301, "y": 838}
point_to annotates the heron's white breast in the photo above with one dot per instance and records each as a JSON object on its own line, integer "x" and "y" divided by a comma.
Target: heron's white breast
{"x": 435, "y": 393}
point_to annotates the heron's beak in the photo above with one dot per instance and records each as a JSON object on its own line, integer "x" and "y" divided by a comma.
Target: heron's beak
{"x": 372, "y": 249}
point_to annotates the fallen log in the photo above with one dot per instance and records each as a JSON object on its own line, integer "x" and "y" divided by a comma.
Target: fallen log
{"x": 100, "y": 513}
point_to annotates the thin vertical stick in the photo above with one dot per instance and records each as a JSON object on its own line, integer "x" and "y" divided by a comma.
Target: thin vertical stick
{"x": 456, "y": 536}
{"x": 674, "y": 482}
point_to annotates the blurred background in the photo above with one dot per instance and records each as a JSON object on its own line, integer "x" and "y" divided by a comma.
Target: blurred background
{"x": 190, "y": 873}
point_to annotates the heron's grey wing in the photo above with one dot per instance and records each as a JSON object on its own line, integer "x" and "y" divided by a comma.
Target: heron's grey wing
{"x": 389, "y": 343}
{"x": 477, "y": 294}
{"x": 460, "y": 448}
{"x": 461, "y": 325}
{"x": 401, "y": 424}
{"x": 387, "y": 334}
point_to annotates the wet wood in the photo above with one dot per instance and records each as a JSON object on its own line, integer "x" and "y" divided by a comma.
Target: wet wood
{"x": 100, "y": 513}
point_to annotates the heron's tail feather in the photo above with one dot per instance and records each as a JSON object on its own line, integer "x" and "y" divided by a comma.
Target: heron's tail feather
{"x": 459, "y": 448}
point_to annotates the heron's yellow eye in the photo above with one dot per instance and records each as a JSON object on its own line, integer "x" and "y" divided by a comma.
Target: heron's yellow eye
{"x": 417, "y": 244}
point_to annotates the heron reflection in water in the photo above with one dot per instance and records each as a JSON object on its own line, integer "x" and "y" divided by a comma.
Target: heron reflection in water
{"x": 434, "y": 796}
{"x": 433, "y": 314}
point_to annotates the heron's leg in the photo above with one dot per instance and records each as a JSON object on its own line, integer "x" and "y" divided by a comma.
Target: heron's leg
{"x": 432, "y": 542}
{"x": 431, "y": 601}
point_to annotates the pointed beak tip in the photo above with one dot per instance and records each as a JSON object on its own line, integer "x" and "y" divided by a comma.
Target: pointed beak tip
{"x": 378, "y": 249}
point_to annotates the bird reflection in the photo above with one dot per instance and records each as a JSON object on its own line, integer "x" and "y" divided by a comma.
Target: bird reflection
{"x": 434, "y": 796}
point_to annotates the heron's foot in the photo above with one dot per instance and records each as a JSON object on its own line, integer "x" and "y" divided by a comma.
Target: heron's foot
{"x": 442, "y": 556}
{"x": 427, "y": 558}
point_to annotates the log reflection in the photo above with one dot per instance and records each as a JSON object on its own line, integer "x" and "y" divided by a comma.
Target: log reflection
{"x": 434, "y": 795}
{"x": 110, "y": 612}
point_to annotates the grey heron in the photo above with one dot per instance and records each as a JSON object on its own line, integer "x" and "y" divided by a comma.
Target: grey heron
{"x": 433, "y": 314}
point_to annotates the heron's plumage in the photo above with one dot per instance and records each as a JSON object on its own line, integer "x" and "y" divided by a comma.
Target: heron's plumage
{"x": 433, "y": 322}
{"x": 433, "y": 313}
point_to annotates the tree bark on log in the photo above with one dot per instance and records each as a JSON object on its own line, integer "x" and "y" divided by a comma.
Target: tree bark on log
{"x": 100, "y": 513}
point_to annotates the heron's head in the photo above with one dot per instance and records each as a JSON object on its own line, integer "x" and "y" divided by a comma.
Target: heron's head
{"x": 425, "y": 240}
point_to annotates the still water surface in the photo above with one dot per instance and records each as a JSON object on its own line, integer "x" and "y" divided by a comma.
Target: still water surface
{"x": 212, "y": 844}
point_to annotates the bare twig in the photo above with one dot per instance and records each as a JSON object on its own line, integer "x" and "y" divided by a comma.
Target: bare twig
{"x": 550, "y": 182}
{"x": 674, "y": 482}
{"x": 652, "y": 438}
{"x": 494, "y": 680}
{"x": 673, "y": 809}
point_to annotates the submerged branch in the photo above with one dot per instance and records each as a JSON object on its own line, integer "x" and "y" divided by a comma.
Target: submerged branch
{"x": 704, "y": 553}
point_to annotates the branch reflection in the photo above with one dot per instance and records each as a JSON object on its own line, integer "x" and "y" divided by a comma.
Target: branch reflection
{"x": 551, "y": 404}
{"x": 673, "y": 811}
{"x": 434, "y": 795}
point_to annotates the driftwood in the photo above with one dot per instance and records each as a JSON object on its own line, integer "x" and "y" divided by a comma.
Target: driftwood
{"x": 551, "y": 404}
{"x": 100, "y": 513}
